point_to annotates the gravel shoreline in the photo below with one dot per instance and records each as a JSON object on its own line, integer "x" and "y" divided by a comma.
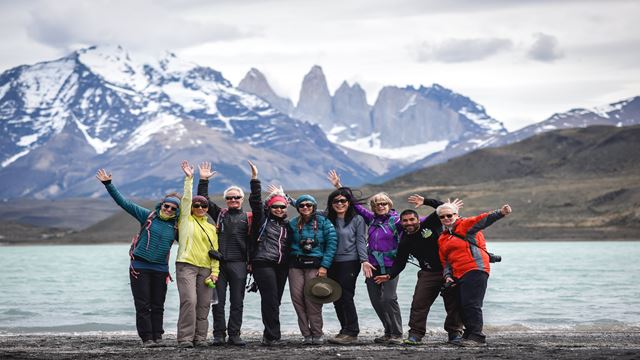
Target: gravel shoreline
{"x": 507, "y": 345}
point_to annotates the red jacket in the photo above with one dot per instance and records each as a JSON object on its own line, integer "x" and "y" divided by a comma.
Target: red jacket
{"x": 458, "y": 256}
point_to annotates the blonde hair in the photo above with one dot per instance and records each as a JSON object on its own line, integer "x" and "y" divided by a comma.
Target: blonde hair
{"x": 380, "y": 197}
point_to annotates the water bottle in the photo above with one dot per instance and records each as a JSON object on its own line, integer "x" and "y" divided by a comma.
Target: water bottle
{"x": 214, "y": 295}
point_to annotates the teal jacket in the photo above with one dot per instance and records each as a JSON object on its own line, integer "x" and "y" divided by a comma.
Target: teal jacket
{"x": 324, "y": 235}
{"x": 153, "y": 245}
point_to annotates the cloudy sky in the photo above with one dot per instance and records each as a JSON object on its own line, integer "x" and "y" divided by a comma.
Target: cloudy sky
{"x": 523, "y": 60}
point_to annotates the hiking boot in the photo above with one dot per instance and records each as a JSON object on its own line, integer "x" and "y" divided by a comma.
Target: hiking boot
{"x": 148, "y": 343}
{"x": 158, "y": 343}
{"x": 217, "y": 341}
{"x": 395, "y": 340}
{"x": 384, "y": 339}
{"x": 236, "y": 340}
{"x": 200, "y": 343}
{"x": 344, "y": 339}
{"x": 307, "y": 340}
{"x": 455, "y": 340}
{"x": 412, "y": 340}
{"x": 473, "y": 343}
{"x": 318, "y": 340}
{"x": 185, "y": 344}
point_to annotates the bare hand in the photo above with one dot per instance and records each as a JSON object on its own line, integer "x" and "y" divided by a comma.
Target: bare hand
{"x": 505, "y": 210}
{"x": 457, "y": 202}
{"x": 381, "y": 278}
{"x": 367, "y": 269}
{"x": 205, "y": 170}
{"x": 449, "y": 279}
{"x": 254, "y": 170}
{"x": 273, "y": 188}
{"x": 213, "y": 278}
{"x": 322, "y": 272}
{"x": 334, "y": 179}
{"x": 188, "y": 169}
{"x": 103, "y": 176}
{"x": 249, "y": 268}
{"x": 416, "y": 200}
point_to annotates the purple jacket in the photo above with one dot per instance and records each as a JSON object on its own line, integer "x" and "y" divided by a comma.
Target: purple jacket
{"x": 384, "y": 234}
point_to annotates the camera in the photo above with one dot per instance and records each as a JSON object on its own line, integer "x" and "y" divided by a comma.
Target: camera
{"x": 216, "y": 255}
{"x": 493, "y": 258}
{"x": 307, "y": 245}
{"x": 252, "y": 287}
{"x": 446, "y": 287}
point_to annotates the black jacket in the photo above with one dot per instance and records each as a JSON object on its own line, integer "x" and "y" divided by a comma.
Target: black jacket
{"x": 268, "y": 233}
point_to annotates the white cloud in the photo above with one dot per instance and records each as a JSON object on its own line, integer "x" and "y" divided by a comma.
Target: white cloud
{"x": 462, "y": 50}
{"x": 545, "y": 48}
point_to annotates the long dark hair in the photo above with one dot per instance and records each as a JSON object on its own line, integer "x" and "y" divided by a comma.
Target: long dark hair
{"x": 331, "y": 213}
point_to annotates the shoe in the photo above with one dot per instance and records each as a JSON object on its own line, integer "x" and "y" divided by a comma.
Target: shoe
{"x": 318, "y": 340}
{"x": 344, "y": 339}
{"x": 148, "y": 344}
{"x": 395, "y": 340}
{"x": 185, "y": 344}
{"x": 307, "y": 340}
{"x": 473, "y": 343}
{"x": 384, "y": 339}
{"x": 158, "y": 343}
{"x": 200, "y": 344}
{"x": 217, "y": 341}
{"x": 236, "y": 340}
{"x": 412, "y": 340}
{"x": 267, "y": 342}
{"x": 455, "y": 340}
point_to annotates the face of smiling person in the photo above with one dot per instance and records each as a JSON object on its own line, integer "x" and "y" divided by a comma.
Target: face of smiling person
{"x": 168, "y": 209}
{"x": 278, "y": 209}
{"x": 381, "y": 207}
{"x": 340, "y": 205}
{"x": 199, "y": 209}
{"x": 448, "y": 217}
{"x": 305, "y": 208}
{"x": 233, "y": 199}
{"x": 410, "y": 223}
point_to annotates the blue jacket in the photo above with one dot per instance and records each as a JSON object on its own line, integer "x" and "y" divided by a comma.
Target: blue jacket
{"x": 154, "y": 248}
{"x": 324, "y": 234}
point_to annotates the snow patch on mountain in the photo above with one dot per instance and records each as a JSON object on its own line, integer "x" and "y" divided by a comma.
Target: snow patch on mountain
{"x": 371, "y": 145}
{"x": 98, "y": 145}
{"x": 190, "y": 99}
{"x": 15, "y": 157}
{"x": 41, "y": 83}
{"x": 164, "y": 123}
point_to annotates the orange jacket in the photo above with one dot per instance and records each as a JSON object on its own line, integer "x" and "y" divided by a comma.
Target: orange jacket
{"x": 458, "y": 256}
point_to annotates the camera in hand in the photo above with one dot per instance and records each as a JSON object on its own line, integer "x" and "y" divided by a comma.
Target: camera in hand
{"x": 493, "y": 258}
{"x": 307, "y": 245}
{"x": 446, "y": 287}
{"x": 216, "y": 255}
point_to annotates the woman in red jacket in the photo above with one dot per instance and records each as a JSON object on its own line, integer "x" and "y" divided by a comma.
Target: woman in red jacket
{"x": 464, "y": 256}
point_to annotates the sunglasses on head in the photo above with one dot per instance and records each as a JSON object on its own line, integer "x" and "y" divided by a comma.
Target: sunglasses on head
{"x": 340, "y": 201}
{"x": 448, "y": 216}
{"x": 281, "y": 207}
{"x": 169, "y": 207}
{"x": 305, "y": 205}
{"x": 198, "y": 206}
{"x": 233, "y": 197}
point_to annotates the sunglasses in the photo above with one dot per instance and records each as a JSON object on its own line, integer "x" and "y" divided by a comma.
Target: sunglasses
{"x": 198, "y": 206}
{"x": 281, "y": 207}
{"x": 169, "y": 207}
{"x": 382, "y": 204}
{"x": 448, "y": 216}
{"x": 233, "y": 197}
{"x": 305, "y": 205}
{"x": 340, "y": 201}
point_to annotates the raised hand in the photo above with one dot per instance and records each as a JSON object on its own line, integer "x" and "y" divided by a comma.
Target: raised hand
{"x": 103, "y": 176}
{"x": 416, "y": 200}
{"x": 334, "y": 178}
{"x": 505, "y": 210}
{"x": 458, "y": 203}
{"x": 273, "y": 188}
{"x": 254, "y": 170}
{"x": 206, "y": 171}
{"x": 188, "y": 169}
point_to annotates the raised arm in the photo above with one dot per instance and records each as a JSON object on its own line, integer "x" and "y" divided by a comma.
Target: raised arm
{"x": 334, "y": 178}
{"x": 135, "y": 210}
{"x": 255, "y": 198}
{"x": 483, "y": 221}
{"x": 206, "y": 172}
{"x": 185, "y": 203}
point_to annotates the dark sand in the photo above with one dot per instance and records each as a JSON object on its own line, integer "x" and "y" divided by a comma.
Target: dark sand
{"x": 508, "y": 345}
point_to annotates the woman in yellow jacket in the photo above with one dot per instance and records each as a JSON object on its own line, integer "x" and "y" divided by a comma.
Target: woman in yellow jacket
{"x": 194, "y": 266}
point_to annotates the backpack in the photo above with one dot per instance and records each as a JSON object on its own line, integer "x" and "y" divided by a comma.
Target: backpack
{"x": 223, "y": 212}
{"x": 134, "y": 241}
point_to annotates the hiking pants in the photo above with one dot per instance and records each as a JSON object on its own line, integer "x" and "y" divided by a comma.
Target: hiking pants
{"x": 309, "y": 313}
{"x": 271, "y": 279}
{"x": 471, "y": 289}
{"x": 149, "y": 289}
{"x": 346, "y": 273}
{"x": 233, "y": 275}
{"x": 195, "y": 299}
{"x": 385, "y": 302}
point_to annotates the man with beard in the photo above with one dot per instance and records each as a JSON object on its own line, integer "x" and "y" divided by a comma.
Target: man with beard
{"x": 420, "y": 240}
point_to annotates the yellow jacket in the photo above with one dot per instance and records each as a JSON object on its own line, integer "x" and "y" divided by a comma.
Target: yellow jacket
{"x": 194, "y": 245}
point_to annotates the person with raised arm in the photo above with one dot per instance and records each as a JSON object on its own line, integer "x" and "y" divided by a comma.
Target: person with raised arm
{"x": 465, "y": 261}
{"x": 382, "y": 244}
{"x": 313, "y": 244}
{"x": 420, "y": 240}
{"x": 233, "y": 225}
{"x": 149, "y": 253}
{"x": 268, "y": 254}
{"x": 351, "y": 255}
{"x": 195, "y": 265}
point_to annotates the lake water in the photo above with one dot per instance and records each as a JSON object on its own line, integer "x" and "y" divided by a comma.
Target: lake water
{"x": 537, "y": 286}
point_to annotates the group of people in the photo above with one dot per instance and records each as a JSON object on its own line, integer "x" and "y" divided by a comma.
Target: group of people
{"x": 320, "y": 252}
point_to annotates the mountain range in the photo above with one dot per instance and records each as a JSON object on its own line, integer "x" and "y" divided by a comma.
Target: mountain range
{"x": 139, "y": 116}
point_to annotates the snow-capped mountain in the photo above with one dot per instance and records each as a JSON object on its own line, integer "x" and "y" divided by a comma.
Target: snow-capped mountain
{"x": 254, "y": 82}
{"x": 103, "y": 107}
